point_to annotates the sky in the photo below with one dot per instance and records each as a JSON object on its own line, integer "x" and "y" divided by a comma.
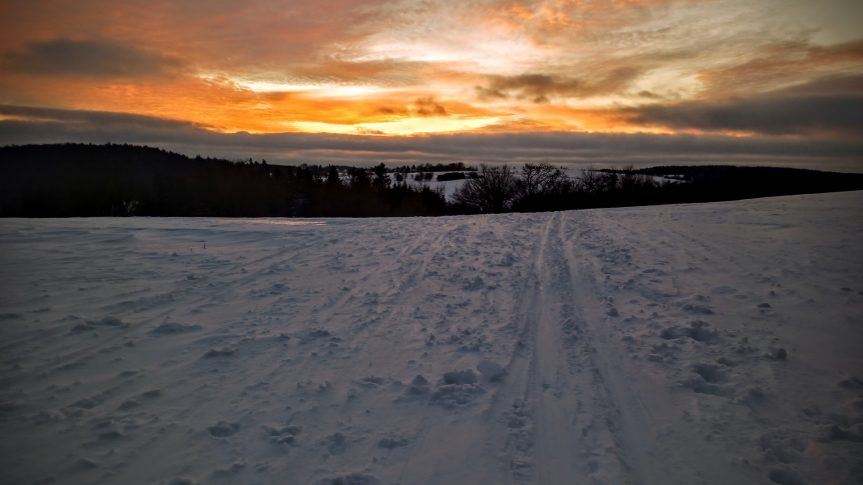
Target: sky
{"x": 565, "y": 81}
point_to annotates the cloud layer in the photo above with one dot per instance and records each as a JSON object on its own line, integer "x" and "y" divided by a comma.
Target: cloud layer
{"x": 89, "y": 58}
{"x": 39, "y": 125}
{"x": 826, "y": 107}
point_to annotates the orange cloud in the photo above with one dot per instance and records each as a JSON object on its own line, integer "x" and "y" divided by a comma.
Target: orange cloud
{"x": 402, "y": 67}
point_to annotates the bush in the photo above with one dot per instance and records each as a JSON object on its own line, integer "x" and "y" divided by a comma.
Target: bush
{"x": 493, "y": 191}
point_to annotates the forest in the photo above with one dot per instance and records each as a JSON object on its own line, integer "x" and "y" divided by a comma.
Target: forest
{"x": 81, "y": 180}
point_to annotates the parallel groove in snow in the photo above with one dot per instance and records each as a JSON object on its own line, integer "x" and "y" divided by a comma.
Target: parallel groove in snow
{"x": 714, "y": 343}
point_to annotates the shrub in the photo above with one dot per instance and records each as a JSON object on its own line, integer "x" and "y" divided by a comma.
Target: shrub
{"x": 492, "y": 191}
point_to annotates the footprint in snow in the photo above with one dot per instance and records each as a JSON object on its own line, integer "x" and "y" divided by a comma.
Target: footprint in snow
{"x": 419, "y": 386}
{"x": 106, "y": 322}
{"x": 705, "y": 379}
{"x": 350, "y": 479}
{"x": 335, "y": 443}
{"x": 697, "y": 309}
{"x": 172, "y": 328}
{"x": 223, "y": 429}
{"x": 282, "y": 434}
{"x": 392, "y": 442}
{"x": 457, "y": 389}
{"x": 697, "y": 330}
{"x": 217, "y": 353}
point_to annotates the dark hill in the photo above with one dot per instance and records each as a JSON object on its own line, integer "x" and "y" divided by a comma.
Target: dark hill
{"x": 113, "y": 180}
{"x": 707, "y": 183}
{"x": 67, "y": 180}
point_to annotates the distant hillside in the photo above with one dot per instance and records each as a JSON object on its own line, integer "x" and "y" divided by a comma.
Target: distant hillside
{"x": 68, "y": 180}
{"x": 114, "y": 180}
{"x": 722, "y": 182}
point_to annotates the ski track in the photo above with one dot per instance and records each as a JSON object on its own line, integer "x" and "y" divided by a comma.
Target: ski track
{"x": 670, "y": 344}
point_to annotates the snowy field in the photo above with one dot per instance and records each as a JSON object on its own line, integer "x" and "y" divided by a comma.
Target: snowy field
{"x": 450, "y": 187}
{"x": 716, "y": 343}
{"x": 447, "y": 187}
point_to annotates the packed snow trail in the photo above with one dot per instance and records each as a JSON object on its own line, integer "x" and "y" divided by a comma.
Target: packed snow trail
{"x": 714, "y": 343}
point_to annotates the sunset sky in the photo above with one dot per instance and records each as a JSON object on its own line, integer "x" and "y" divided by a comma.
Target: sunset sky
{"x": 605, "y": 81}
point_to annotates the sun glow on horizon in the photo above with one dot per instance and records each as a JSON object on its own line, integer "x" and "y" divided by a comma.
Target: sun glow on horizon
{"x": 320, "y": 89}
{"x": 402, "y": 127}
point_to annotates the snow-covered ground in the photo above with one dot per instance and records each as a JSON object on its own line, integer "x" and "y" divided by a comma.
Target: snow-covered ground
{"x": 450, "y": 187}
{"x": 714, "y": 343}
{"x": 447, "y": 187}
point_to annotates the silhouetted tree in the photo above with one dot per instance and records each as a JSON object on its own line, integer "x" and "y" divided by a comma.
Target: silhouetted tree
{"x": 359, "y": 178}
{"x": 333, "y": 179}
{"x": 381, "y": 180}
{"x": 121, "y": 180}
{"x": 491, "y": 192}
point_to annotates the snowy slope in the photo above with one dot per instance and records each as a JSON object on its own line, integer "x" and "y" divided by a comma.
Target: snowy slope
{"x": 447, "y": 187}
{"x": 716, "y": 343}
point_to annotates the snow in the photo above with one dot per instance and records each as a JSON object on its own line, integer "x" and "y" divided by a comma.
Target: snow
{"x": 447, "y": 187}
{"x": 713, "y": 343}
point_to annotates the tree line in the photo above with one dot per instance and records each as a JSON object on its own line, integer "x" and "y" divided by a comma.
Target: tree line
{"x": 65, "y": 180}
{"x": 543, "y": 187}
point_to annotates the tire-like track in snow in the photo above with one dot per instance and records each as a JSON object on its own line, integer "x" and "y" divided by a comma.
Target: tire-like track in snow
{"x": 631, "y": 346}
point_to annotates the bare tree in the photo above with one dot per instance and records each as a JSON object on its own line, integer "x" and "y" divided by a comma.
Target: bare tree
{"x": 538, "y": 179}
{"x": 493, "y": 191}
{"x": 590, "y": 181}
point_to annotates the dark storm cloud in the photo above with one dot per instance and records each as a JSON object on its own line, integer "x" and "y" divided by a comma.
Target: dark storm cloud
{"x": 38, "y": 125}
{"x": 540, "y": 87}
{"x": 87, "y": 58}
{"x": 829, "y": 106}
{"x": 92, "y": 120}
